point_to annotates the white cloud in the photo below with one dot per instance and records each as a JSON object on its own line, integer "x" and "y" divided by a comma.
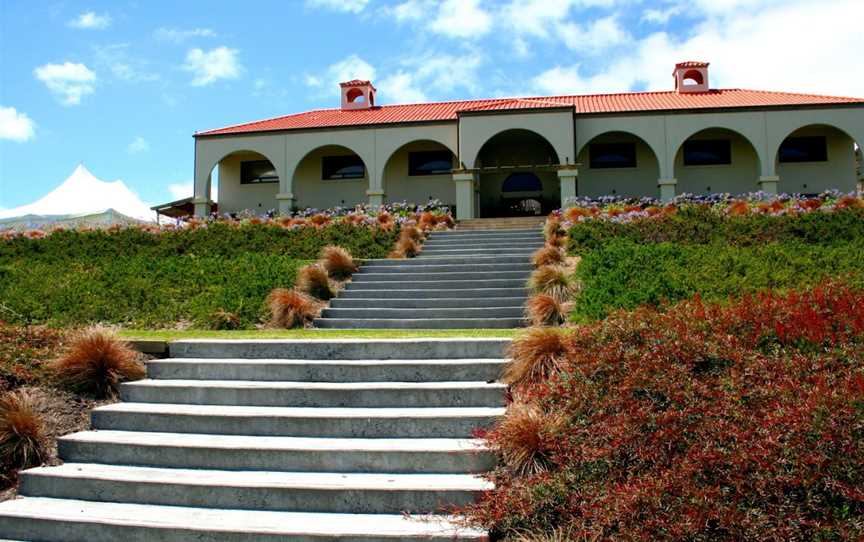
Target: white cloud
{"x": 461, "y": 19}
{"x": 68, "y": 81}
{"x": 401, "y": 87}
{"x": 535, "y": 17}
{"x": 411, "y": 10}
{"x": 351, "y": 67}
{"x": 207, "y": 67}
{"x": 595, "y": 37}
{"x": 344, "y": 6}
{"x": 750, "y": 44}
{"x": 138, "y": 145}
{"x": 116, "y": 59}
{"x": 90, "y": 20}
{"x": 180, "y": 35}
{"x": 16, "y": 125}
{"x": 661, "y": 16}
{"x": 181, "y": 190}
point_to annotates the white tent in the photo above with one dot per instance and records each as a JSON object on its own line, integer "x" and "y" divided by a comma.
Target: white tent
{"x": 81, "y": 200}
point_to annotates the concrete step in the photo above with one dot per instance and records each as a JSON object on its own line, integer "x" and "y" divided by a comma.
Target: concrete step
{"x": 428, "y": 323}
{"x": 417, "y": 314}
{"x": 313, "y": 394}
{"x": 450, "y": 284}
{"x": 342, "y": 303}
{"x": 447, "y": 260}
{"x": 465, "y": 230}
{"x": 424, "y": 276}
{"x": 421, "y": 266}
{"x": 480, "y": 251}
{"x": 287, "y": 454}
{"x": 361, "y": 493}
{"x": 479, "y": 242}
{"x": 67, "y": 520}
{"x": 445, "y": 422}
{"x": 302, "y": 370}
{"x": 347, "y": 349}
{"x": 463, "y": 294}
{"x": 471, "y": 239}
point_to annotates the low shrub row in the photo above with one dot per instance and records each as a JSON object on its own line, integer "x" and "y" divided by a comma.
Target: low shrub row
{"x": 703, "y": 422}
{"x": 623, "y": 274}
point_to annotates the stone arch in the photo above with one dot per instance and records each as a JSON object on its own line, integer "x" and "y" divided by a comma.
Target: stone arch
{"x": 399, "y": 185}
{"x": 740, "y": 176}
{"x": 837, "y": 171}
{"x": 309, "y": 188}
{"x": 514, "y": 133}
{"x": 259, "y": 198}
{"x": 640, "y": 181}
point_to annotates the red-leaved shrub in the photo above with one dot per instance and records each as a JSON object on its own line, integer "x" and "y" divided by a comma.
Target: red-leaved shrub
{"x": 734, "y": 421}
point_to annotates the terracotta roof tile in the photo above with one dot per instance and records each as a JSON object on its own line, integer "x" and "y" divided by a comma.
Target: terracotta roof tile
{"x": 587, "y": 104}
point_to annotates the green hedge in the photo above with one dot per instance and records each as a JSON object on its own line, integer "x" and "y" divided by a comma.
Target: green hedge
{"x": 694, "y": 224}
{"x": 135, "y": 278}
{"x": 623, "y": 274}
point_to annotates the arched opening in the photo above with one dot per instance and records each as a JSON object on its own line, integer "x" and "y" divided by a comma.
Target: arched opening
{"x": 523, "y": 192}
{"x": 517, "y": 152}
{"x": 245, "y": 181}
{"x": 330, "y": 176}
{"x": 693, "y": 77}
{"x": 717, "y": 160}
{"x": 816, "y": 158}
{"x": 618, "y": 164}
{"x": 355, "y": 95}
{"x": 420, "y": 171}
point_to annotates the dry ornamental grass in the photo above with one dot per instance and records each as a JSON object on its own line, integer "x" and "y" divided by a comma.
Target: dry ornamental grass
{"x": 552, "y": 280}
{"x": 338, "y": 262}
{"x": 22, "y": 432}
{"x": 313, "y": 280}
{"x": 535, "y": 356}
{"x": 548, "y": 255}
{"x": 545, "y": 310}
{"x": 96, "y": 362}
{"x": 291, "y": 309}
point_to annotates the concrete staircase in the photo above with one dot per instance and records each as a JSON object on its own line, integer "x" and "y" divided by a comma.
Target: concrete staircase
{"x": 276, "y": 440}
{"x": 463, "y": 279}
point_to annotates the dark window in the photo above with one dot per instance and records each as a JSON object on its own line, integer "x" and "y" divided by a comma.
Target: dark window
{"x": 612, "y": 155}
{"x": 430, "y": 162}
{"x": 342, "y": 167}
{"x": 707, "y": 152}
{"x": 522, "y": 182}
{"x": 257, "y": 172}
{"x": 804, "y": 149}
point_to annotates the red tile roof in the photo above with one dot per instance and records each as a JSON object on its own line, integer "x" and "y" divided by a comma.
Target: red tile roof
{"x": 600, "y": 103}
{"x": 692, "y": 64}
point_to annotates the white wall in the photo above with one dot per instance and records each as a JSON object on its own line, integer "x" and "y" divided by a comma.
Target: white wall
{"x": 399, "y": 186}
{"x": 739, "y": 177}
{"x": 310, "y": 190}
{"x": 814, "y": 177}
{"x": 235, "y": 197}
{"x": 635, "y": 182}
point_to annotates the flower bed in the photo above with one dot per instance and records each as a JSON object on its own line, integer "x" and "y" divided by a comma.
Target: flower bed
{"x": 741, "y": 421}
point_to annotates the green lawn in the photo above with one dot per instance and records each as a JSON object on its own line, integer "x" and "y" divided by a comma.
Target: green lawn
{"x": 172, "y": 335}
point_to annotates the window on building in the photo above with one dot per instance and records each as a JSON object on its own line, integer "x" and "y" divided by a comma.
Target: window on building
{"x": 257, "y": 172}
{"x": 707, "y": 152}
{"x": 612, "y": 155}
{"x": 522, "y": 182}
{"x": 804, "y": 149}
{"x": 430, "y": 163}
{"x": 342, "y": 167}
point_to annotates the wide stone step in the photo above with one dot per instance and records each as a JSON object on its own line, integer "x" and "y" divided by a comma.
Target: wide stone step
{"x": 466, "y": 294}
{"x": 382, "y": 313}
{"x": 359, "y": 493}
{"x": 287, "y": 454}
{"x": 427, "y": 323}
{"x": 465, "y": 229}
{"x": 472, "y": 239}
{"x": 313, "y": 394}
{"x": 445, "y": 422}
{"x": 523, "y": 251}
{"x": 302, "y": 370}
{"x": 67, "y": 520}
{"x": 421, "y": 267}
{"x": 424, "y": 276}
{"x": 480, "y": 243}
{"x": 345, "y": 349}
{"x": 447, "y": 260}
{"x": 448, "y": 284}
{"x": 342, "y": 303}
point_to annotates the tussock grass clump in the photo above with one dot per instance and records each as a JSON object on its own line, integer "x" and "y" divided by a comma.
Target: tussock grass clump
{"x": 520, "y": 439}
{"x": 22, "y": 432}
{"x": 314, "y": 280}
{"x": 96, "y": 362}
{"x": 386, "y": 221}
{"x": 226, "y": 320}
{"x": 405, "y": 248}
{"x": 553, "y": 228}
{"x": 556, "y": 241}
{"x": 545, "y": 310}
{"x": 552, "y": 280}
{"x": 291, "y": 309}
{"x": 411, "y": 232}
{"x": 338, "y": 262}
{"x": 535, "y": 356}
{"x": 428, "y": 221}
{"x": 547, "y": 256}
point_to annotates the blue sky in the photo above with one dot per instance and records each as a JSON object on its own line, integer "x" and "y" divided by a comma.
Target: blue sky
{"x": 122, "y": 86}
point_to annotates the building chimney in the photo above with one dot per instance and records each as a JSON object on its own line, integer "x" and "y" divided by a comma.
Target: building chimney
{"x": 357, "y": 95}
{"x": 691, "y": 77}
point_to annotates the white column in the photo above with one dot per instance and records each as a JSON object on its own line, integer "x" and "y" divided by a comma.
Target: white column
{"x": 285, "y": 202}
{"x": 769, "y": 184}
{"x": 201, "y": 200}
{"x": 464, "y": 195}
{"x": 667, "y": 189}
{"x": 376, "y": 197}
{"x": 568, "y": 178}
